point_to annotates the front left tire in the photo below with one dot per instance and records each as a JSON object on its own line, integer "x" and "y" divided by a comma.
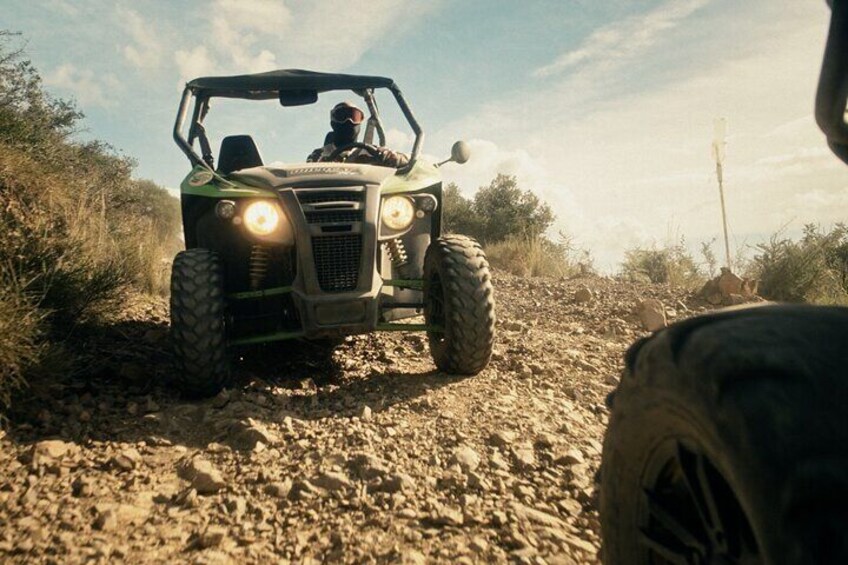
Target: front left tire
{"x": 198, "y": 330}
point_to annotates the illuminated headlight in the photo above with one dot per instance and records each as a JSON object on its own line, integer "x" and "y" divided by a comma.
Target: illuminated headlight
{"x": 261, "y": 218}
{"x": 398, "y": 212}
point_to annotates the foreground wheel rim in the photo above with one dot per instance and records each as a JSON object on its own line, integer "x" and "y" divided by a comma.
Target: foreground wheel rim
{"x": 692, "y": 516}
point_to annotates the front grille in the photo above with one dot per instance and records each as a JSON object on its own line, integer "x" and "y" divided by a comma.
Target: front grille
{"x": 335, "y": 216}
{"x": 337, "y": 259}
{"x": 318, "y": 196}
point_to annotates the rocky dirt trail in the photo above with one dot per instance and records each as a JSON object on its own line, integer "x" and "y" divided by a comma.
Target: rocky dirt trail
{"x": 361, "y": 454}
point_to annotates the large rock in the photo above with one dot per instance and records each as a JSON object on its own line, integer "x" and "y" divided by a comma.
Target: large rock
{"x": 527, "y": 514}
{"x": 502, "y": 438}
{"x": 571, "y": 456}
{"x": 396, "y": 482}
{"x": 524, "y": 457}
{"x": 332, "y": 481}
{"x": 202, "y": 475}
{"x": 447, "y": 516}
{"x": 367, "y": 466}
{"x": 652, "y": 314}
{"x": 729, "y": 283}
{"x": 728, "y": 288}
{"x": 583, "y": 295}
{"x": 127, "y": 460}
{"x": 248, "y": 433}
{"x": 51, "y": 452}
{"x": 466, "y": 458}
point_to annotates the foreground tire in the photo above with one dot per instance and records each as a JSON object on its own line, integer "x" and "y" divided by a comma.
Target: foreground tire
{"x": 459, "y": 298}
{"x": 197, "y": 323}
{"x": 728, "y": 442}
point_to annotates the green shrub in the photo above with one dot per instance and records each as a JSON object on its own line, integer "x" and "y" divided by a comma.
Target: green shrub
{"x": 671, "y": 264}
{"x": 813, "y": 269}
{"x": 20, "y": 345}
{"x": 497, "y": 212}
{"x": 78, "y": 232}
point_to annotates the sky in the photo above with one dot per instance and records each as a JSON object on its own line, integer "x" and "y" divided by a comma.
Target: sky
{"x": 604, "y": 108}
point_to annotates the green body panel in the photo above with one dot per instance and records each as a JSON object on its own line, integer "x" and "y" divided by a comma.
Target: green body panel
{"x": 218, "y": 187}
{"x": 253, "y": 294}
{"x": 279, "y": 336}
{"x": 415, "y": 284}
{"x": 408, "y": 328}
{"x": 422, "y": 175}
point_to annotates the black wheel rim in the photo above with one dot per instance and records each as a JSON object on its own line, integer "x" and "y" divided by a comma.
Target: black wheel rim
{"x": 692, "y": 515}
{"x": 434, "y": 311}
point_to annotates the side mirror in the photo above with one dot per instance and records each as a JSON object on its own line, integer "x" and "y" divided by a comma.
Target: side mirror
{"x": 460, "y": 153}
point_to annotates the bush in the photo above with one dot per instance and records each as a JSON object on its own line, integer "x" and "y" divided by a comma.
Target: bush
{"x": 77, "y": 231}
{"x": 813, "y": 269}
{"x": 20, "y": 329}
{"x": 539, "y": 257}
{"x": 498, "y": 212}
{"x": 671, "y": 264}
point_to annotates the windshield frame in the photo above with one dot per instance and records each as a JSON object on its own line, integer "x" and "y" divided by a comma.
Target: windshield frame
{"x": 201, "y": 98}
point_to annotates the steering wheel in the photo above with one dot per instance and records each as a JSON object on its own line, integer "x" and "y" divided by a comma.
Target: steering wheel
{"x": 371, "y": 149}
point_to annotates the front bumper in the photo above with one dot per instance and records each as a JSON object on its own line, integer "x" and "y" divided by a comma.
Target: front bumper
{"x": 344, "y": 282}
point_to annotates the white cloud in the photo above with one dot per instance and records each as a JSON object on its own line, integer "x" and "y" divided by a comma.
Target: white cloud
{"x": 260, "y": 35}
{"x": 146, "y": 50}
{"x": 194, "y": 63}
{"x": 88, "y": 88}
{"x": 261, "y": 16}
{"x": 614, "y": 44}
{"x": 621, "y": 169}
{"x": 333, "y": 35}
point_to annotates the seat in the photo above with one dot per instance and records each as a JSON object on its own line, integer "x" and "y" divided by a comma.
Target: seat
{"x": 238, "y": 152}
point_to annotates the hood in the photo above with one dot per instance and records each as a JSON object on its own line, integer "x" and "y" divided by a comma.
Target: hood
{"x": 277, "y": 176}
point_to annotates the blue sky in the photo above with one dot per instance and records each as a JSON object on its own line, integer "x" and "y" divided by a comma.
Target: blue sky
{"x": 604, "y": 108}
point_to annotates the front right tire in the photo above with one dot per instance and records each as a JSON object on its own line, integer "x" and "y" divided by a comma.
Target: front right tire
{"x": 198, "y": 330}
{"x": 459, "y": 300}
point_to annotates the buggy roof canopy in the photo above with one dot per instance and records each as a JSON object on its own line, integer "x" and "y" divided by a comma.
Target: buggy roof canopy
{"x": 267, "y": 85}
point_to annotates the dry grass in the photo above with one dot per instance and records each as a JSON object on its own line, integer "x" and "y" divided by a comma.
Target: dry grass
{"x": 535, "y": 257}
{"x": 671, "y": 264}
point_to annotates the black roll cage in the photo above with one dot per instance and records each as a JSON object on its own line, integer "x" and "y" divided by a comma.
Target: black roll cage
{"x": 202, "y": 96}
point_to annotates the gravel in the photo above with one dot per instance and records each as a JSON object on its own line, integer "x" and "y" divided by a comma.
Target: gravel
{"x": 364, "y": 454}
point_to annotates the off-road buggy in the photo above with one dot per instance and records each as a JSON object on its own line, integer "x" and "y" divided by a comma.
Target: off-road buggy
{"x": 728, "y": 438}
{"x": 316, "y": 250}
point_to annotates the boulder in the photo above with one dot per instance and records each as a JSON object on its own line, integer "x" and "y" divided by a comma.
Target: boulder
{"x": 729, "y": 283}
{"x": 202, "y": 475}
{"x": 466, "y": 458}
{"x": 652, "y": 314}
{"x": 583, "y": 295}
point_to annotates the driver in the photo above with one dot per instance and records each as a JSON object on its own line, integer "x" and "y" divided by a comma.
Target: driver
{"x": 345, "y": 119}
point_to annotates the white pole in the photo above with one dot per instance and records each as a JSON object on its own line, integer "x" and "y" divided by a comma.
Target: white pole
{"x": 719, "y": 143}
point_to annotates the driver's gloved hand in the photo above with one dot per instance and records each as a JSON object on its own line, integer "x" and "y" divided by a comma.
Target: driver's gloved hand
{"x": 392, "y": 158}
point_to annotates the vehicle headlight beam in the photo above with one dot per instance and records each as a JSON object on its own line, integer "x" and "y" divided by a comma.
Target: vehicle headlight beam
{"x": 398, "y": 212}
{"x": 261, "y": 218}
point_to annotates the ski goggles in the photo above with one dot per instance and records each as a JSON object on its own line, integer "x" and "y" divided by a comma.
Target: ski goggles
{"x": 342, "y": 114}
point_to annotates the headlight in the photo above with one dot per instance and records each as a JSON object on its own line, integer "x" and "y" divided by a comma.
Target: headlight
{"x": 261, "y": 218}
{"x": 398, "y": 212}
